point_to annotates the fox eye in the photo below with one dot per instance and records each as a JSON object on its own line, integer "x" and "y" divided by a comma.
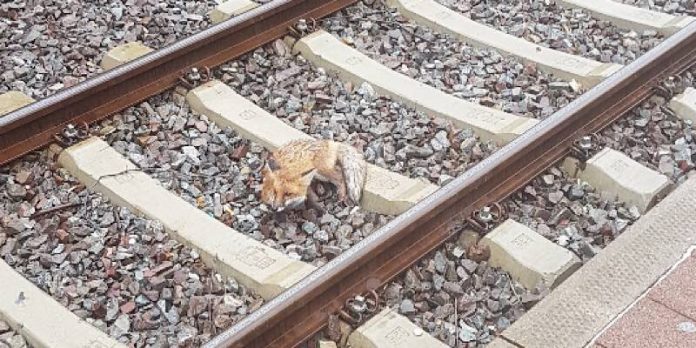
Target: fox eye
{"x": 272, "y": 164}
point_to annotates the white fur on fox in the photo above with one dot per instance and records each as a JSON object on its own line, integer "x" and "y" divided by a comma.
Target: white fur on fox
{"x": 354, "y": 171}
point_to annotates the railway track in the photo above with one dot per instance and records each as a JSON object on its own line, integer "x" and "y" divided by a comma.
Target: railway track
{"x": 140, "y": 225}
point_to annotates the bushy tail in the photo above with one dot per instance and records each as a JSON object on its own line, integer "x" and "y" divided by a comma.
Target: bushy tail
{"x": 354, "y": 171}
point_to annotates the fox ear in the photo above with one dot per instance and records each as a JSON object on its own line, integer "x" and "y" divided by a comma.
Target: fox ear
{"x": 265, "y": 170}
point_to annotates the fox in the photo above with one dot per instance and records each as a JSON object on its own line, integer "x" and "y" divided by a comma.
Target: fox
{"x": 289, "y": 173}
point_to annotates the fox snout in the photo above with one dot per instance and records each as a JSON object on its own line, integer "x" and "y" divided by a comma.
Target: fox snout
{"x": 294, "y": 203}
{"x": 289, "y": 204}
{"x": 279, "y": 203}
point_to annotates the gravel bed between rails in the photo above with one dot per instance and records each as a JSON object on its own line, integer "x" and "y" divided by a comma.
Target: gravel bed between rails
{"x": 459, "y": 301}
{"x": 10, "y": 338}
{"x": 120, "y": 272}
{"x": 49, "y": 45}
{"x": 569, "y": 30}
{"x": 220, "y": 173}
{"x": 390, "y": 135}
{"x": 478, "y": 75}
{"x": 676, "y": 7}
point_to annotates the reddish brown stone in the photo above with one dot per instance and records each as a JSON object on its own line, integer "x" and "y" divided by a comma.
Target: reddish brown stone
{"x": 479, "y": 252}
{"x": 62, "y": 235}
{"x": 240, "y": 152}
{"x": 24, "y": 177}
{"x": 111, "y": 272}
{"x": 98, "y": 310}
{"x": 128, "y": 307}
{"x": 164, "y": 266}
{"x": 157, "y": 283}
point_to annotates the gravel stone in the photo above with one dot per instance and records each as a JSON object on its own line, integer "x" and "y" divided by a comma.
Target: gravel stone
{"x": 467, "y": 333}
{"x": 677, "y": 7}
{"x": 569, "y": 30}
{"x": 483, "y": 309}
{"x": 482, "y": 76}
{"x": 16, "y": 191}
{"x": 11, "y": 339}
{"x": 4, "y": 327}
{"x": 569, "y": 212}
{"x": 389, "y": 134}
{"x": 653, "y": 136}
{"x": 50, "y": 45}
{"x": 222, "y": 177}
{"x": 407, "y": 307}
{"x": 109, "y": 266}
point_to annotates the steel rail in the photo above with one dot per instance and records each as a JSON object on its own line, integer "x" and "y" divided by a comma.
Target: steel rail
{"x": 35, "y": 125}
{"x": 303, "y": 310}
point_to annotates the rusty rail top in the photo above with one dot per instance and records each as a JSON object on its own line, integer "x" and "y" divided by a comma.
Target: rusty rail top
{"x": 303, "y": 310}
{"x": 34, "y": 125}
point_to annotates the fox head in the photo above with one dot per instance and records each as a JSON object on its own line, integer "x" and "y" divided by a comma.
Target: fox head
{"x": 281, "y": 190}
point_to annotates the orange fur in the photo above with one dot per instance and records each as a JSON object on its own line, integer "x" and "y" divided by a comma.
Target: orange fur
{"x": 286, "y": 183}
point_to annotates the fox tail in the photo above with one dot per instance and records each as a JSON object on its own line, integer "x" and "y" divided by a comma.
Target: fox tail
{"x": 354, "y": 170}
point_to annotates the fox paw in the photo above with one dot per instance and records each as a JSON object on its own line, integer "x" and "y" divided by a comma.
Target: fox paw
{"x": 314, "y": 204}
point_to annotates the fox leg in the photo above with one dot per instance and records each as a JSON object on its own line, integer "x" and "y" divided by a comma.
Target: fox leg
{"x": 335, "y": 176}
{"x": 313, "y": 200}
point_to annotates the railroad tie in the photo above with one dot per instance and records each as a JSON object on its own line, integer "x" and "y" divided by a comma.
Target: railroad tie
{"x": 515, "y": 248}
{"x": 684, "y": 105}
{"x": 566, "y": 66}
{"x": 43, "y": 321}
{"x": 231, "y": 8}
{"x": 631, "y": 17}
{"x": 257, "y": 266}
{"x": 385, "y": 192}
{"x": 391, "y": 329}
{"x": 123, "y": 54}
{"x": 617, "y": 175}
{"x": 328, "y": 52}
{"x": 13, "y": 100}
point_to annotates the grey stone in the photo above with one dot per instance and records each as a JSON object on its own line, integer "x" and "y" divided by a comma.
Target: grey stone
{"x": 16, "y": 191}
{"x": 466, "y": 332}
{"x": 407, "y": 307}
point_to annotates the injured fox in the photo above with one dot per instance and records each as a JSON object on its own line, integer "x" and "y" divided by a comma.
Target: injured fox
{"x": 290, "y": 172}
